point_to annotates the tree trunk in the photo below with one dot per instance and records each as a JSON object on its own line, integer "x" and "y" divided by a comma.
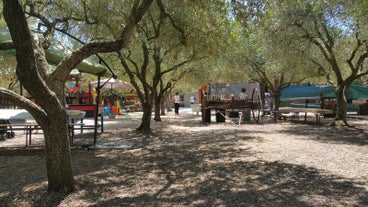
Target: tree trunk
{"x": 29, "y": 70}
{"x": 341, "y": 103}
{"x": 277, "y": 100}
{"x": 157, "y": 108}
{"x": 276, "y": 93}
{"x": 34, "y": 76}
{"x": 58, "y": 159}
{"x": 162, "y": 107}
{"x": 145, "y": 126}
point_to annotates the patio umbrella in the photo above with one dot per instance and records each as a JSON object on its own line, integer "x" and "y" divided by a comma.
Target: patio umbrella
{"x": 112, "y": 84}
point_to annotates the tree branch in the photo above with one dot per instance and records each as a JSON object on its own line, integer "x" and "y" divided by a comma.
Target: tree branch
{"x": 23, "y": 102}
{"x": 27, "y": 58}
{"x": 71, "y": 61}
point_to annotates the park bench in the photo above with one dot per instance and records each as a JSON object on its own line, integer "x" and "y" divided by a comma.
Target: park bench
{"x": 8, "y": 128}
{"x": 81, "y": 126}
{"x": 21, "y": 120}
{"x": 90, "y": 111}
{"x": 296, "y": 111}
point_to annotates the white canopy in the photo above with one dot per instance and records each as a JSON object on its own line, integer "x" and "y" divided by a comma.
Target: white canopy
{"x": 112, "y": 84}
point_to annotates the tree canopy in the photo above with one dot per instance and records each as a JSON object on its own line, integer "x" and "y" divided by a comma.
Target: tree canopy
{"x": 158, "y": 44}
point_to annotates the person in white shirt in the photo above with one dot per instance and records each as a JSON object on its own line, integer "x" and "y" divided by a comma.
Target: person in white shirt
{"x": 176, "y": 102}
{"x": 269, "y": 99}
{"x": 243, "y": 94}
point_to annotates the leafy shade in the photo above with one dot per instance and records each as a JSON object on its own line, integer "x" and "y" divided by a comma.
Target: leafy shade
{"x": 56, "y": 52}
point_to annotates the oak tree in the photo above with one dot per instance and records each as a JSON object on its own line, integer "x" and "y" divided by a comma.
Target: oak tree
{"x": 47, "y": 86}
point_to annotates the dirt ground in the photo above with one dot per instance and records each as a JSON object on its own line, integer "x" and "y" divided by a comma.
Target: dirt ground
{"x": 186, "y": 163}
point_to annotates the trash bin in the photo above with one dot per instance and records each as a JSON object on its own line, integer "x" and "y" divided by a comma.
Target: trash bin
{"x": 233, "y": 114}
{"x": 207, "y": 115}
{"x": 106, "y": 111}
{"x": 246, "y": 115}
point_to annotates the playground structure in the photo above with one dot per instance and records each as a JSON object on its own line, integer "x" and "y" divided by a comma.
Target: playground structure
{"x": 224, "y": 99}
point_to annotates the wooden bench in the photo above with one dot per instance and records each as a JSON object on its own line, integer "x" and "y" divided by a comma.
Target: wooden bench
{"x": 71, "y": 128}
{"x": 81, "y": 126}
{"x": 26, "y": 127}
{"x": 16, "y": 120}
{"x": 296, "y": 111}
{"x": 90, "y": 110}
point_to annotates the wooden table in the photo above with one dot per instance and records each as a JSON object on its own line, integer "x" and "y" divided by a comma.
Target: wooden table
{"x": 28, "y": 124}
{"x": 27, "y": 127}
{"x": 295, "y": 111}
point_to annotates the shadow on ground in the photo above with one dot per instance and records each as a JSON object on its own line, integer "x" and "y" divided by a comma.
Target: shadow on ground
{"x": 180, "y": 171}
{"x": 356, "y": 135}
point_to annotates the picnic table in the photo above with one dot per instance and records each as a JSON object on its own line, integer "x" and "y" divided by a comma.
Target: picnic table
{"x": 296, "y": 111}
{"x": 21, "y": 120}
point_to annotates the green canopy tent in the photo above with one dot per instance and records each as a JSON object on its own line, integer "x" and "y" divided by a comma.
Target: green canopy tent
{"x": 310, "y": 94}
{"x": 56, "y": 52}
{"x": 315, "y": 92}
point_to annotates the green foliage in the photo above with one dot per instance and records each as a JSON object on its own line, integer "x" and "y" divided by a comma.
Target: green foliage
{"x": 7, "y": 72}
{"x": 223, "y": 37}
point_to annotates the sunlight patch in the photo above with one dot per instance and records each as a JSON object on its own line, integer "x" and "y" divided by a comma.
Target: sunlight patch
{"x": 190, "y": 128}
{"x": 33, "y": 187}
{"x": 114, "y": 145}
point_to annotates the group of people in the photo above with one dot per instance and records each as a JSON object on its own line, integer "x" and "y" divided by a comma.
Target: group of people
{"x": 177, "y": 102}
{"x": 268, "y": 97}
{"x": 242, "y": 96}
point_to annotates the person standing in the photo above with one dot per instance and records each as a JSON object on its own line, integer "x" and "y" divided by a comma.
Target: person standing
{"x": 192, "y": 99}
{"x": 243, "y": 94}
{"x": 176, "y": 102}
{"x": 269, "y": 98}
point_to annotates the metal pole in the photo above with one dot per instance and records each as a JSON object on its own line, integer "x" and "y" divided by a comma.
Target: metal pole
{"x": 97, "y": 107}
